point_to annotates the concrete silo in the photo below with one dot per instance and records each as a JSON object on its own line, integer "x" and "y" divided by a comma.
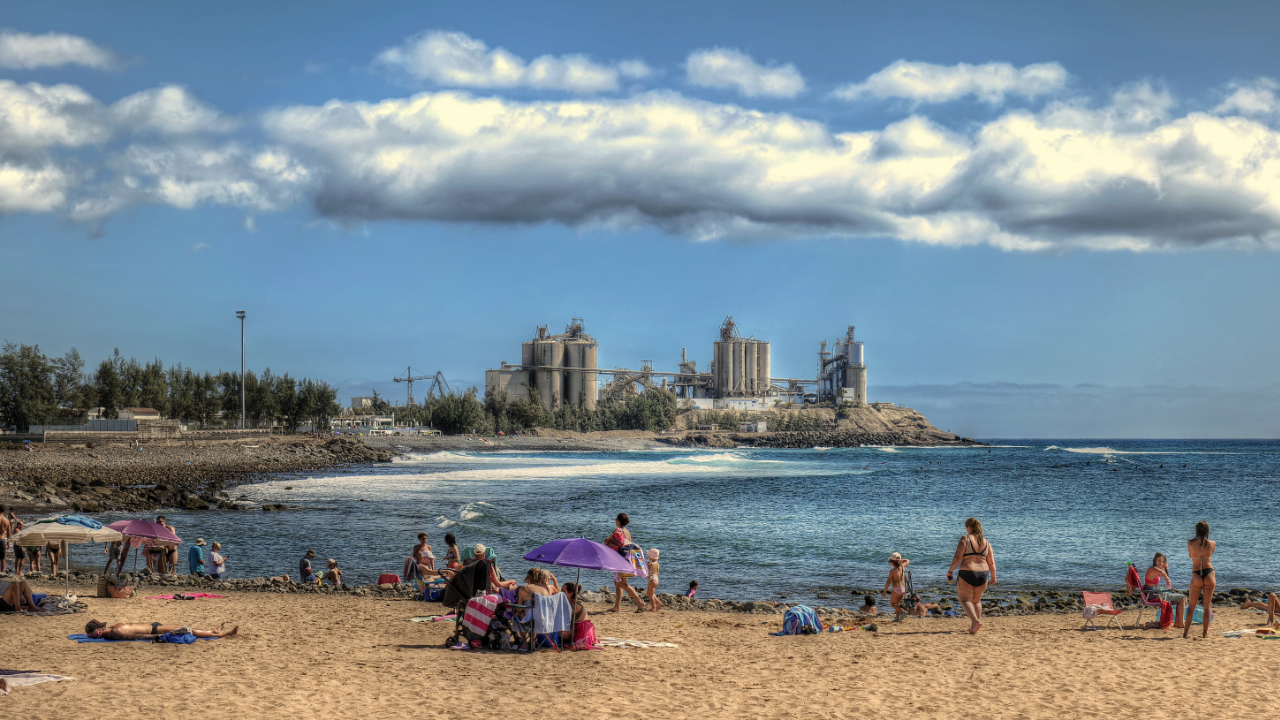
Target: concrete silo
{"x": 574, "y": 353}
{"x": 589, "y": 389}
{"x": 763, "y": 385}
{"x": 750, "y": 367}
{"x": 724, "y": 368}
{"x": 549, "y": 354}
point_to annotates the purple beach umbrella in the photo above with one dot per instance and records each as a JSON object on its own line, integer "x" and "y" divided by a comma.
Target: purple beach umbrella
{"x": 580, "y": 553}
{"x": 144, "y": 532}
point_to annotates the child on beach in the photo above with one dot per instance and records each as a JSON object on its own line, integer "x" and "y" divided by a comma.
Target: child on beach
{"x": 335, "y": 573}
{"x": 653, "y": 568}
{"x": 897, "y": 582}
{"x": 693, "y": 589}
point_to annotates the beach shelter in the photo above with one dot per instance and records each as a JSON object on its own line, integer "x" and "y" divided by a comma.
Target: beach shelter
{"x": 580, "y": 553}
{"x": 66, "y": 530}
{"x": 144, "y": 532}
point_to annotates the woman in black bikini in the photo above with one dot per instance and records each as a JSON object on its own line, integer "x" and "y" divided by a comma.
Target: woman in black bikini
{"x": 1202, "y": 576}
{"x": 977, "y": 570}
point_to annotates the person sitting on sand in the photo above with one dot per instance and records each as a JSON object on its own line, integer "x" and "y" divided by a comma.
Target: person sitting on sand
{"x": 423, "y": 558}
{"x": 1272, "y": 607}
{"x": 535, "y": 583}
{"x": 1158, "y": 571}
{"x": 15, "y": 595}
{"x": 149, "y": 631}
{"x": 869, "y": 606}
{"x": 334, "y": 574}
{"x": 922, "y": 609}
{"x": 583, "y": 636}
{"x": 897, "y": 582}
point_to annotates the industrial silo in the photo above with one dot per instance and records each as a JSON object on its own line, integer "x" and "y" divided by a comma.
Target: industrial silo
{"x": 724, "y": 368}
{"x": 856, "y": 385}
{"x": 750, "y": 368}
{"x": 549, "y": 355}
{"x": 762, "y": 368}
{"x": 589, "y": 389}
{"x": 854, "y": 353}
{"x": 526, "y": 355}
{"x": 574, "y": 352}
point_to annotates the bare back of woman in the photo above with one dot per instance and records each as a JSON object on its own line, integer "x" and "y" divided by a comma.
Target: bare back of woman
{"x": 1203, "y": 578}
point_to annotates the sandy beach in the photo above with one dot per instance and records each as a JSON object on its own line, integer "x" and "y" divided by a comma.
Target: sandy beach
{"x": 342, "y": 656}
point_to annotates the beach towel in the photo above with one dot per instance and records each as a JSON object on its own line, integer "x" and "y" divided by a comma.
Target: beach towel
{"x": 433, "y": 618}
{"x": 80, "y": 520}
{"x": 1166, "y": 614}
{"x": 479, "y": 613}
{"x": 797, "y": 619}
{"x": 621, "y": 643}
{"x": 552, "y": 614}
{"x": 19, "y": 678}
{"x": 82, "y": 638}
{"x": 186, "y": 596}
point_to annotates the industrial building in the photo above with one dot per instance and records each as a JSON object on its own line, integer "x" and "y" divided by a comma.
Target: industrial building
{"x": 842, "y": 374}
{"x": 561, "y": 369}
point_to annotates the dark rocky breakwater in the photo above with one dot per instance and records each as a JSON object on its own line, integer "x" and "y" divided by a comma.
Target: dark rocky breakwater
{"x": 189, "y": 476}
{"x": 816, "y": 438}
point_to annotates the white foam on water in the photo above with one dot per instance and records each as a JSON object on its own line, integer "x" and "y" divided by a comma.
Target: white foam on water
{"x": 446, "y": 522}
{"x": 885, "y": 449}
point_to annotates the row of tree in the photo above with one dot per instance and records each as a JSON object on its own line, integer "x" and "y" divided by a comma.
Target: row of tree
{"x": 38, "y": 390}
{"x": 654, "y": 409}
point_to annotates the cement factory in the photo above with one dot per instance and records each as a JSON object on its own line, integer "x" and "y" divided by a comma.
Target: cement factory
{"x": 562, "y": 370}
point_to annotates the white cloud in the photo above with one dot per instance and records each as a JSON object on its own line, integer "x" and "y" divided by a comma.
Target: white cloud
{"x": 32, "y": 187}
{"x": 35, "y": 116}
{"x": 197, "y": 247}
{"x": 928, "y": 83}
{"x": 728, "y": 68}
{"x": 169, "y": 109}
{"x": 25, "y": 51}
{"x": 1256, "y": 98}
{"x": 455, "y": 59}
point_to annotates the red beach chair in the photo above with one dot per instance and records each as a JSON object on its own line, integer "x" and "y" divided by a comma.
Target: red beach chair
{"x": 1105, "y": 607}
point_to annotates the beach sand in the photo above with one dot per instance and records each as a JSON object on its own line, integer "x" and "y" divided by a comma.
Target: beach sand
{"x": 350, "y": 657}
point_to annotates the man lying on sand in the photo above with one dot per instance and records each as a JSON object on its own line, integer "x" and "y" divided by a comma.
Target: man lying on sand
{"x": 144, "y": 631}
{"x": 1272, "y": 607}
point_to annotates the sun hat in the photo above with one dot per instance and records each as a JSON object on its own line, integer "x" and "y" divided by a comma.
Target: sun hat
{"x": 653, "y": 553}
{"x": 310, "y": 552}
{"x": 200, "y": 541}
{"x": 895, "y": 556}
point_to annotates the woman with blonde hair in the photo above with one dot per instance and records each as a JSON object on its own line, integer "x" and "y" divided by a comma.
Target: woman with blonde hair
{"x": 977, "y": 565}
{"x": 1203, "y": 577}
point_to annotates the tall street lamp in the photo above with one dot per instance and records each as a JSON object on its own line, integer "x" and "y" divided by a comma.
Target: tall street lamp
{"x": 240, "y": 314}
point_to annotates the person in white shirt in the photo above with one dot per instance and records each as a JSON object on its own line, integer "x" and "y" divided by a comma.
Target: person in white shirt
{"x": 217, "y": 561}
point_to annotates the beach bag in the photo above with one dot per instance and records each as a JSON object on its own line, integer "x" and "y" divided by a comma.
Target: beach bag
{"x": 102, "y": 587}
{"x": 634, "y": 555}
{"x": 801, "y": 620}
{"x": 910, "y": 599}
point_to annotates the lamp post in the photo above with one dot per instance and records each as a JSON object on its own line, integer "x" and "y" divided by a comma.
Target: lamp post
{"x": 240, "y": 314}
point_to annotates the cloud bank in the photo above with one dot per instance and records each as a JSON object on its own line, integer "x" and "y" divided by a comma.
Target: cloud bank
{"x": 727, "y": 68}
{"x": 457, "y": 60}
{"x": 1128, "y": 173}
{"x": 25, "y": 51}
{"x": 927, "y": 83}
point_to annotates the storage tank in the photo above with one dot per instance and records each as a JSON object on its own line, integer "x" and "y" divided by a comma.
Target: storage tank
{"x": 856, "y": 385}
{"x": 526, "y": 355}
{"x": 750, "y": 367}
{"x": 762, "y": 367}
{"x": 574, "y": 357}
{"x": 549, "y": 354}
{"x": 589, "y": 389}
{"x": 854, "y": 352}
{"x": 724, "y": 368}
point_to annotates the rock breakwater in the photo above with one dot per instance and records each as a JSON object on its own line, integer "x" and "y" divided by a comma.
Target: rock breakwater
{"x": 195, "y": 477}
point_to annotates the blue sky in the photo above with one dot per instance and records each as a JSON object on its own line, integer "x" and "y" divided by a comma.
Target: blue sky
{"x": 1009, "y": 200}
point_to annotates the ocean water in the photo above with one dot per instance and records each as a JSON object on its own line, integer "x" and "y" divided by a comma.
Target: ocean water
{"x": 764, "y": 524}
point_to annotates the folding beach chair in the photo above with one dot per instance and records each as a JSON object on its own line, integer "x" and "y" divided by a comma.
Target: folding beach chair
{"x": 1102, "y": 606}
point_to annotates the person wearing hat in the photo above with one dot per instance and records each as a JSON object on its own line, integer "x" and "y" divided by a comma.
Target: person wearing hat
{"x": 897, "y": 582}
{"x": 334, "y": 574}
{"x": 304, "y": 567}
{"x": 196, "y": 558}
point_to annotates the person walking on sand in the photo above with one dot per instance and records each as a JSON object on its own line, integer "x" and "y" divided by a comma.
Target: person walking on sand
{"x": 1203, "y": 577}
{"x": 653, "y": 568}
{"x": 897, "y": 582}
{"x": 113, "y": 554}
{"x": 977, "y": 565}
{"x": 620, "y": 540}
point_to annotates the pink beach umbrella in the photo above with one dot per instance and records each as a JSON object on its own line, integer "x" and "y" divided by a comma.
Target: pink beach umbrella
{"x": 144, "y": 532}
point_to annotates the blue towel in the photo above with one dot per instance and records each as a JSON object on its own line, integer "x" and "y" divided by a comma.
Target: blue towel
{"x": 82, "y": 638}
{"x": 552, "y": 613}
{"x": 80, "y": 520}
